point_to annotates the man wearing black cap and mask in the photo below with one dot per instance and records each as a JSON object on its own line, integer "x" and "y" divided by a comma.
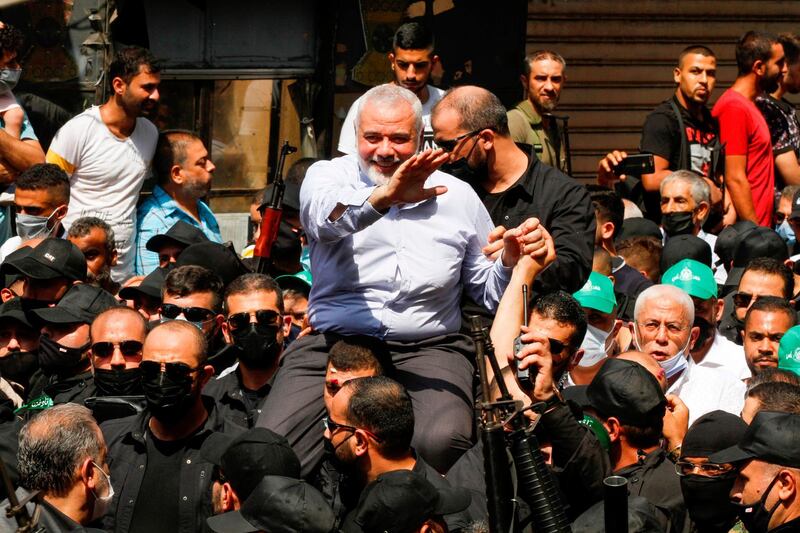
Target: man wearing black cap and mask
{"x": 164, "y": 482}
{"x": 628, "y": 400}
{"x": 118, "y": 336}
{"x": 19, "y": 343}
{"x": 168, "y": 246}
{"x": 706, "y": 485}
{"x": 255, "y": 325}
{"x": 64, "y": 360}
{"x": 767, "y": 489}
{"x": 48, "y": 270}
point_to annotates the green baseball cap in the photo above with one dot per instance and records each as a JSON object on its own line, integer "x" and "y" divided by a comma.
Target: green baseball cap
{"x": 597, "y": 293}
{"x": 789, "y": 351}
{"x": 300, "y": 282}
{"x": 693, "y": 277}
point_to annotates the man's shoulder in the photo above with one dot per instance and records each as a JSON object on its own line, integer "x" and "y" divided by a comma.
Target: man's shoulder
{"x": 343, "y": 167}
{"x": 115, "y": 429}
{"x": 731, "y": 101}
{"x": 87, "y": 118}
{"x": 146, "y": 129}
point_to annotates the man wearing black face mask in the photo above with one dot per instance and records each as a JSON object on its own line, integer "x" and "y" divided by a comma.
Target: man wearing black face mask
{"x": 157, "y": 452}
{"x": 767, "y": 489}
{"x": 65, "y": 368}
{"x": 19, "y": 342}
{"x": 705, "y": 485}
{"x": 256, "y": 326}
{"x": 471, "y": 124}
{"x": 117, "y": 338}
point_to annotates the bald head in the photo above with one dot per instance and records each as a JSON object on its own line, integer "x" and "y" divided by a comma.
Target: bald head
{"x": 123, "y": 318}
{"x": 649, "y": 363}
{"x": 176, "y": 341}
{"x": 476, "y": 109}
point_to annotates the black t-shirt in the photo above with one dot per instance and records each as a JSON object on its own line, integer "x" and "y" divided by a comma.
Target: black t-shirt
{"x": 159, "y": 495}
{"x": 661, "y": 136}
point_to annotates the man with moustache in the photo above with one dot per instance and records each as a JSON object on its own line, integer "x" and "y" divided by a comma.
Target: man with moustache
{"x": 749, "y": 164}
{"x": 106, "y": 151}
{"x": 95, "y": 239}
{"x": 531, "y": 122}
{"x": 764, "y": 326}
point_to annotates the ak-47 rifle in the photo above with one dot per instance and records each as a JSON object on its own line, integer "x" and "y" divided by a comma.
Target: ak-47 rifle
{"x": 16, "y": 509}
{"x": 535, "y": 483}
{"x": 271, "y": 214}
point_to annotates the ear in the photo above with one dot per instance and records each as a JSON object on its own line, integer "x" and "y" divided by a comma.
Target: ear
{"x": 487, "y": 136}
{"x": 676, "y": 75}
{"x": 6, "y": 294}
{"x": 112, "y": 261}
{"x": 205, "y": 375}
{"x": 434, "y": 60}
{"x": 118, "y": 85}
{"x": 287, "y": 325}
{"x": 576, "y": 359}
{"x": 88, "y": 474}
{"x": 390, "y": 55}
{"x": 759, "y": 67}
{"x": 230, "y": 501}
{"x": 693, "y": 334}
{"x": 175, "y": 174}
{"x": 362, "y": 442}
{"x": 787, "y": 486}
{"x": 612, "y": 278}
{"x": 63, "y": 210}
{"x": 524, "y": 81}
{"x": 226, "y": 332}
{"x": 702, "y": 210}
{"x": 607, "y": 230}
{"x": 614, "y": 429}
{"x": 719, "y": 311}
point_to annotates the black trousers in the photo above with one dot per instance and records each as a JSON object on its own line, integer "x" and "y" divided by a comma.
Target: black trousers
{"x": 437, "y": 373}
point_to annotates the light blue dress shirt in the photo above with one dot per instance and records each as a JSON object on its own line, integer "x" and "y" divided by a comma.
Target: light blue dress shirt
{"x": 396, "y": 276}
{"x": 159, "y": 213}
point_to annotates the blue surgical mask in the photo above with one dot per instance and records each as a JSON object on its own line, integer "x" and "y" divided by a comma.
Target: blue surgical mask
{"x": 8, "y": 79}
{"x": 31, "y": 226}
{"x": 786, "y": 232}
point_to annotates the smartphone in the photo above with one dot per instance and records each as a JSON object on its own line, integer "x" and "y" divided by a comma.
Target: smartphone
{"x": 635, "y": 165}
{"x": 527, "y": 376}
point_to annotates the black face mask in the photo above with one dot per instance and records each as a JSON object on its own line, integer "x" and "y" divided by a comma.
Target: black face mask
{"x": 55, "y": 358}
{"x": 755, "y": 516}
{"x": 19, "y": 367}
{"x": 118, "y": 381}
{"x": 258, "y": 344}
{"x": 460, "y": 168}
{"x": 168, "y": 398}
{"x": 706, "y": 331}
{"x": 708, "y": 501}
{"x": 677, "y": 223}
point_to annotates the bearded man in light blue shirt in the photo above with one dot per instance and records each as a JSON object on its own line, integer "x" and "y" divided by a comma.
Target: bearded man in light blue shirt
{"x": 393, "y": 243}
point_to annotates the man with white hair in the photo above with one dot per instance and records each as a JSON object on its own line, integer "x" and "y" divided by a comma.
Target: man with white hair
{"x": 662, "y": 327}
{"x": 393, "y": 244}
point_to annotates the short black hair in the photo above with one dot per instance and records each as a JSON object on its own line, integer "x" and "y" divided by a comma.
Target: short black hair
{"x": 191, "y": 279}
{"x": 645, "y": 436}
{"x": 254, "y": 282}
{"x": 358, "y": 352}
{"x": 171, "y": 150}
{"x": 772, "y": 304}
{"x": 46, "y": 176}
{"x": 564, "y": 309}
{"x": 774, "y": 267}
{"x": 791, "y": 47}
{"x": 777, "y": 396}
{"x": 539, "y": 55}
{"x": 129, "y": 61}
{"x": 84, "y": 225}
{"x": 11, "y": 39}
{"x": 770, "y": 375}
{"x": 753, "y": 46}
{"x": 413, "y": 36}
{"x": 383, "y": 407}
{"x": 695, "y": 49}
{"x": 608, "y": 207}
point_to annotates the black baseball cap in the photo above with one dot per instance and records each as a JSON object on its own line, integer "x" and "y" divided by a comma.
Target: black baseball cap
{"x": 150, "y": 286}
{"x": 16, "y": 255}
{"x": 181, "y": 233}
{"x": 727, "y": 239}
{"x": 682, "y": 247}
{"x": 12, "y": 310}
{"x": 643, "y": 517}
{"x": 248, "y": 457}
{"x": 278, "y": 505}
{"x": 52, "y": 258}
{"x": 628, "y": 391}
{"x": 220, "y": 259}
{"x": 772, "y": 437}
{"x": 711, "y": 433}
{"x": 80, "y": 304}
{"x": 638, "y": 227}
{"x": 400, "y": 502}
{"x": 758, "y": 242}
{"x": 291, "y": 196}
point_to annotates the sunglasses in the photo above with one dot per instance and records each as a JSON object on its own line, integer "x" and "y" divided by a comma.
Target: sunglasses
{"x": 332, "y": 427}
{"x": 556, "y": 346}
{"x": 448, "y": 145}
{"x": 264, "y": 317}
{"x": 106, "y": 349}
{"x": 743, "y": 299}
{"x": 151, "y": 369}
{"x": 192, "y": 314}
{"x": 685, "y": 468}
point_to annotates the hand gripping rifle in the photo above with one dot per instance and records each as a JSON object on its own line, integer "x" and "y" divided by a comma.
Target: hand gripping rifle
{"x": 16, "y": 509}
{"x": 271, "y": 214}
{"x": 535, "y": 483}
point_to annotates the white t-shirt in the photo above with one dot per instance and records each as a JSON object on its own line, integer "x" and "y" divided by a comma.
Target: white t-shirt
{"x": 728, "y": 356}
{"x": 347, "y": 137}
{"x": 106, "y": 174}
{"x": 705, "y": 389}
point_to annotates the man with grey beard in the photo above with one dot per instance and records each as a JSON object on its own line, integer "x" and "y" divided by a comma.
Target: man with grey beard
{"x": 394, "y": 242}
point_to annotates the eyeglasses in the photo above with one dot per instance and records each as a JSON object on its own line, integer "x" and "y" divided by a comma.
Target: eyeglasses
{"x": 264, "y": 317}
{"x": 332, "y": 427}
{"x": 556, "y": 346}
{"x": 685, "y": 468}
{"x": 192, "y": 314}
{"x": 653, "y": 327}
{"x": 127, "y": 348}
{"x": 448, "y": 145}
{"x": 174, "y": 370}
{"x": 743, "y": 299}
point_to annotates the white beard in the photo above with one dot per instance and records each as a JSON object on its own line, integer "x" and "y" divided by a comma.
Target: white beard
{"x": 373, "y": 173}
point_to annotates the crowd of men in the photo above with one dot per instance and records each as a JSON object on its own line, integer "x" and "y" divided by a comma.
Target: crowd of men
{"x": 153, "y": 380}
